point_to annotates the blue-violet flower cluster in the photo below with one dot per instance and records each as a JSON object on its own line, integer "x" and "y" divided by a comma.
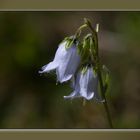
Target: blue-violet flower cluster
{"x": 67, "y": 64}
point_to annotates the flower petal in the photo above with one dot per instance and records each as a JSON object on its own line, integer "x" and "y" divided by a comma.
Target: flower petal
{"x": 72, "y": 95}
{"x": 60, "y": 53}
{"x": 69, "y": 64}
{"x": 84, "y": 81}
{"x": 92, "y": 82}
{"x": 76, "y": 87}
{"x": 93, "y": 86}
{"x": 49, "y": 67}
{"x": 88, "y": 96}
{"x": 62, "y": 78}
{"x": 88, "y": 84}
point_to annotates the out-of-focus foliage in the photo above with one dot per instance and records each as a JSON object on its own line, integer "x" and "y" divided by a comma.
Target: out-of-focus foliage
{"x": 28, "y": 40}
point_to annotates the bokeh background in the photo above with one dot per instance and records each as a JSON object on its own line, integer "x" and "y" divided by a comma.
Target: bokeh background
{"x": 28, "y": 40}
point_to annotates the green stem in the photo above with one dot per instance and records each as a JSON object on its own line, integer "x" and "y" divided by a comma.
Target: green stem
{"x": 104, "y": 97}
{"x": 100, "y": 74}
{"x": 78, "y": 32}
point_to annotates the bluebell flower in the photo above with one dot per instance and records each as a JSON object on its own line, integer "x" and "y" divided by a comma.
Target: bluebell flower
{"x": 85, "y": 85}
{"x": 66, "y": 62}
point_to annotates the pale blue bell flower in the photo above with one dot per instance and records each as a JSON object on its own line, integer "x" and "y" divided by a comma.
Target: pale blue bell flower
{"x": 85, "y": 85}
{"x": 66, "y": 62}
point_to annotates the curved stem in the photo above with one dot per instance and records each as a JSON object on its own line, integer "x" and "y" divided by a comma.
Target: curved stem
{"x": 95, "y": 36}
{"x": 78, "y": 32}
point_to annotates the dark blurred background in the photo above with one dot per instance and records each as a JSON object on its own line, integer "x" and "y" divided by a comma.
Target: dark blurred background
{"x": 28, "y": 40}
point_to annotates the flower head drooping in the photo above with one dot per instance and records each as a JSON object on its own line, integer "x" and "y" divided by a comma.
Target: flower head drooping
{"x": 66, "y": 61}
{"x": 85, "y": 85}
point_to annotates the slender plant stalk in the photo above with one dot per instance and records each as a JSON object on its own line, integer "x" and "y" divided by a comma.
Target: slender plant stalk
{"x": 100, "y": 74}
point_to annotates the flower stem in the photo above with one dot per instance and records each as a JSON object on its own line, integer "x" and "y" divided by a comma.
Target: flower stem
{"x": 95, "y": 37}
{"x": 78, "y": 32}
{"x": 104, "y": 97}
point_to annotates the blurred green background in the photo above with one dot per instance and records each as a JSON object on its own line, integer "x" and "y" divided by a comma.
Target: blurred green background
{"x": 28, "y": 40}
